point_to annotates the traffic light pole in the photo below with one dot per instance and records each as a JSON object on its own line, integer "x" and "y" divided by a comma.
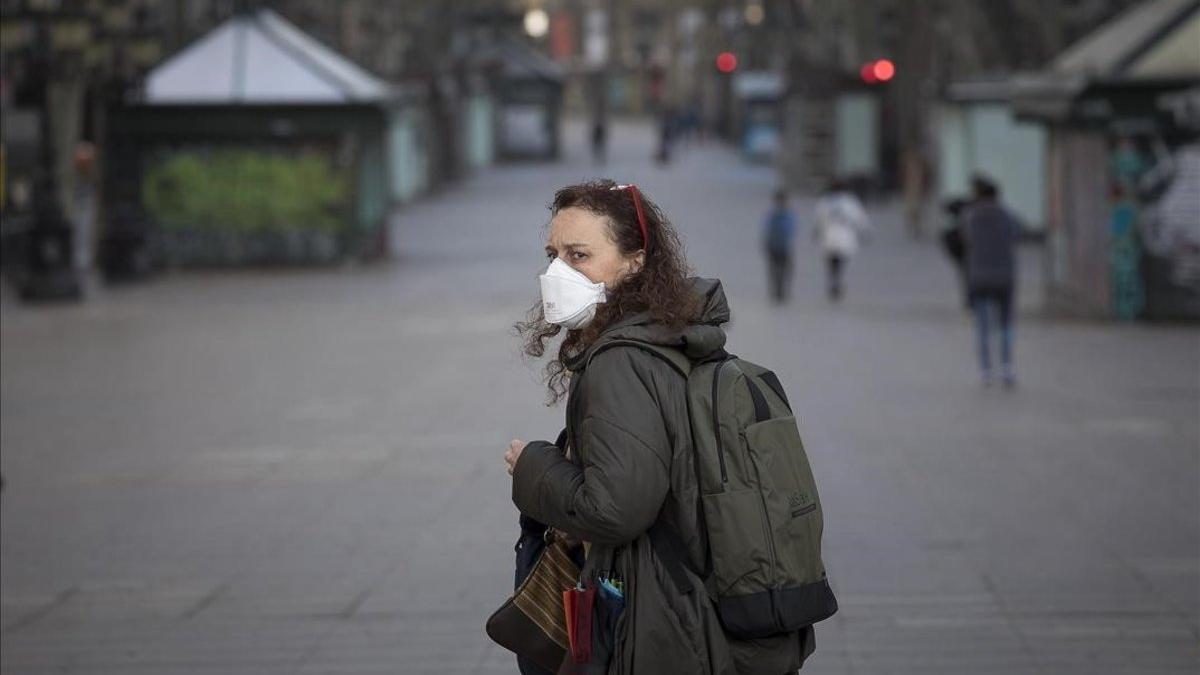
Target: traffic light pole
{"x": 51, "y": 275}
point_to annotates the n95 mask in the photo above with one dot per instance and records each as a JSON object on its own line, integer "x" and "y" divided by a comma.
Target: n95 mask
{"x": 569, "y": 298}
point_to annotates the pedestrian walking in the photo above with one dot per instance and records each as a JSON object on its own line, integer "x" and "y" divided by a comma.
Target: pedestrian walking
{"x": 779, "y": 229}
{"x": 666, "y": 136}
{"x": 991, "y": 234}
{"x": 624, "y": 476}
{"x": 1125, "y": 255}
{"x": 841, "y": 221}
{"x": 599, "y": 142}
{"x": 84, "y": 207}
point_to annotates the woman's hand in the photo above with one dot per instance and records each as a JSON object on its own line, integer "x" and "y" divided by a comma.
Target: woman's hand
{"x": 515, "y": 447}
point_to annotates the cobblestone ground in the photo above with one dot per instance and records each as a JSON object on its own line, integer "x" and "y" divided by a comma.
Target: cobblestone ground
{"x": 300, "y": 471}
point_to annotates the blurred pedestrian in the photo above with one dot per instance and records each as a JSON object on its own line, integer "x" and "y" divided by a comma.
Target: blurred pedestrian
{"x": 599, "y": 142}
{"x": 1125, "y": 255}
{"x": 991, "y": 234}
{"x": 84, "y": 205}
{"x": 916, "y": 182}
{"x": 841, "y": 221}
{"x": 1128, "y": 165}
{"x": 779, "y": 228}
{"x": 666, "y": 136}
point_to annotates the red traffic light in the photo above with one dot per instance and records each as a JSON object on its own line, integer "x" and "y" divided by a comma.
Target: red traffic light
{"x": 876, "y": 72}
{"x": 884, "y": 70}
{"x": 726, "y": 62}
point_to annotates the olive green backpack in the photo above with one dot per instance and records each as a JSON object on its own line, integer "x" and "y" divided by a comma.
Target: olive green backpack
{"x": 759, "y": 502}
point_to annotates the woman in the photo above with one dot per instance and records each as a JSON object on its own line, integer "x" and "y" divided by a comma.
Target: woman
{"x": 617, "y": 272}
{"x": 841, "y": 220}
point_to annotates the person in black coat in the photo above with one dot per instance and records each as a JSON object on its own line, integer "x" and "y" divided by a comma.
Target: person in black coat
{"x": 991, "y": 234}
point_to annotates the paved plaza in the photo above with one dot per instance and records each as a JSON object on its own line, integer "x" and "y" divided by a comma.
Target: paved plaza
{"x": 300, "y": 471}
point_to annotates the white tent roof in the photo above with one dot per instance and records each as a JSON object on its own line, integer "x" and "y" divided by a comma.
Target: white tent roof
{"x": 1150, "y": 39}
{"x": 259, "y": 57}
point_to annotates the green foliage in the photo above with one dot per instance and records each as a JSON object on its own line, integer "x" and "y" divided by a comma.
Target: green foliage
{"x": 246, "y": 191}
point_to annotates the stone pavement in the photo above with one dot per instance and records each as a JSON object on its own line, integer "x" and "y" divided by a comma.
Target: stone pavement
{"x": 300, "y": 471}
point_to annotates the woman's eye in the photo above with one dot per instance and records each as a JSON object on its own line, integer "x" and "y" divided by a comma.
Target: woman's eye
{"x": 550, "y": 255}
{"x": 578, "y": 256}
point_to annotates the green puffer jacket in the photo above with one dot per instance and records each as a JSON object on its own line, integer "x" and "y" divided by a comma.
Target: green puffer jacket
{"x": 633, "y": 466}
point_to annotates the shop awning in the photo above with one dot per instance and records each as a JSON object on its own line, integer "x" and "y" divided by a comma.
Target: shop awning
{"x": 259, "y": 57}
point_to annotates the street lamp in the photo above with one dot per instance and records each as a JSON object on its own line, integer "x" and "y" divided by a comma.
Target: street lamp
{"x": 55, "y": 54}
{"x": 537, "y": 22}
{"x": 102, "y": 48}
{"x": 754, "y": 14}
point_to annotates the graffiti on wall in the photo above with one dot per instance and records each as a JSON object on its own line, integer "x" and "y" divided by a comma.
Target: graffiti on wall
{"x": 1171, "y": 217}
{"x": 1154, "y": 220}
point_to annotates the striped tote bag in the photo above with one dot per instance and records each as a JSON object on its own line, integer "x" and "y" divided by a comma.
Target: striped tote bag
{"x": 532, "y": 623}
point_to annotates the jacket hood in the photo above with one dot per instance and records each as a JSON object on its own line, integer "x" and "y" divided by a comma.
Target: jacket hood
{"x": 698, "y": 339}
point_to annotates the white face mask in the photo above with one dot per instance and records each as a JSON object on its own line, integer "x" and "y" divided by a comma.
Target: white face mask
{"x": 569, "y": 298}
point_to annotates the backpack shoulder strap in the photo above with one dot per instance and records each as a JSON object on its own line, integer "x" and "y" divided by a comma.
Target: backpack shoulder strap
{"x": 676, "y": 358}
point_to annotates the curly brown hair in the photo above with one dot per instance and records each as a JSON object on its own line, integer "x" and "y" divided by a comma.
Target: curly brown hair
{"x": 660, "y": 287}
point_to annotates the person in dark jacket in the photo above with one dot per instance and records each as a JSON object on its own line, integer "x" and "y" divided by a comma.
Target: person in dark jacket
{"x": 599, "y": 141}
{"x": 779, "y": 229}
{"x": 990, "y": 235}
{"x": 627, "y": 462}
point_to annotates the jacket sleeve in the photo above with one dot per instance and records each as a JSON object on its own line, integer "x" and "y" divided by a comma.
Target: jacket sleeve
{"x": 617, "y": 492}
{"x": 1015, "y": 226}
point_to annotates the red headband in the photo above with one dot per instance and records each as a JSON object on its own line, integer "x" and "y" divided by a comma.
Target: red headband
{"x": 641, "y": 216}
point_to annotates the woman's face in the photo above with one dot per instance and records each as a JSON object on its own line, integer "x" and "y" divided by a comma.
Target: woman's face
{"x": 583, "y": 240}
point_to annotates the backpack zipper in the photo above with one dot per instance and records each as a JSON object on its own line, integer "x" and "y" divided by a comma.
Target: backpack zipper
{"x": 803, "y": 511}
